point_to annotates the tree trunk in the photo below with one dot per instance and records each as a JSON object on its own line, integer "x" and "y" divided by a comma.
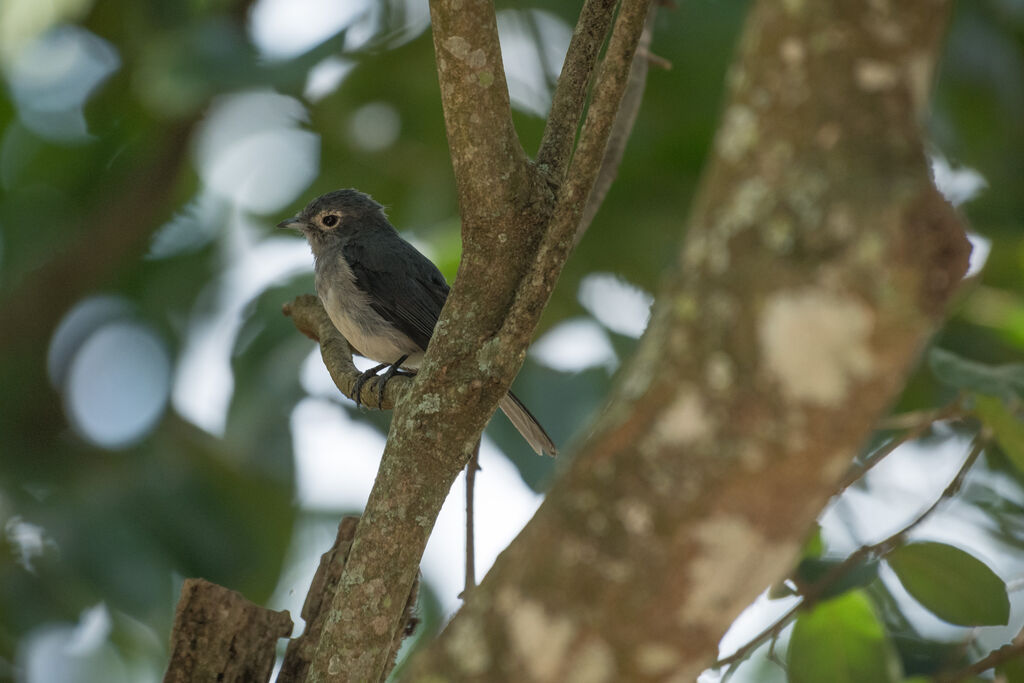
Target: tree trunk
{"x": 819, "y": 258}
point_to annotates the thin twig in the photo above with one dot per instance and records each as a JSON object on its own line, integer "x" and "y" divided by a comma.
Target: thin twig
{"x": 959, "y": 654}
{"x": 917, "y": 423}
{"x": 657, "y": 60}
{"x": 625, "y": 118}
{"x": 908, "y": 420}
{"x": 980, "y": 443}
{"x": 813, "y": 592}
{"x": 471, "y": 469}
{"x": 539, "y": 281}
{"x": 885, "y": 546}
{"x": 771, "y": 631}
{"x": 1013, "y": 649}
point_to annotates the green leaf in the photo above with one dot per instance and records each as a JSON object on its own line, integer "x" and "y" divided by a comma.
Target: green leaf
{"x": 811, "y": 570}
{"x": 952, "y": 584}
{"x": 1008, "y": 430}
{"x": 841, "y": 641}
{"x": 1003, "y": 381}
{"x": 814, "y": 546}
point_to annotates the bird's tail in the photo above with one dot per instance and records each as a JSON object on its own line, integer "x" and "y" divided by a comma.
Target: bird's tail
{"x": 527, "y": 425}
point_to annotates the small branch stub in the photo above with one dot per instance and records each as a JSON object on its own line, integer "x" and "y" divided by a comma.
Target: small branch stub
{"x": 218, "y": 635}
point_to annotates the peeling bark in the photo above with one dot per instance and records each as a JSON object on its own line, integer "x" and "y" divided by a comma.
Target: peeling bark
{"x": 220, "y": 636}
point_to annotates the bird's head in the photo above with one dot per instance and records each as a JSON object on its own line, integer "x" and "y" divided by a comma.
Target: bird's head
{"x": 333, "y": 215}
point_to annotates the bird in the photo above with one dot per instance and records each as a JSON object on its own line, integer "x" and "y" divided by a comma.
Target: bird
{"x": 382, "y": 294}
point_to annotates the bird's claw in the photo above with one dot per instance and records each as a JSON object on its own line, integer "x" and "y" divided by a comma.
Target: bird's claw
{"x": 382, "y": 380}
{"x": 357, "y": 390}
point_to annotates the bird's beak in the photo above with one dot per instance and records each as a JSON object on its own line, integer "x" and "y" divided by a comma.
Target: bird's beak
{"x": 293, "y": 223}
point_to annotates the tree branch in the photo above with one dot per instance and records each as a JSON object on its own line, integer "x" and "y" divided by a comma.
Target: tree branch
{"x": 1002, "y": 655}
{"x": 506, "y": 206}
{"x": 325, "y": 583}
{"x": 586, "y": 163}
{"x": 311, "y": 319}
{"x": 424, "y": 454}
{"x": 571, "y": 91}
{"x": 491, "y": 171}
{"x": 300, "y": 651}
{"x": 816, "y": 233}
{"x": 622, "y": 126}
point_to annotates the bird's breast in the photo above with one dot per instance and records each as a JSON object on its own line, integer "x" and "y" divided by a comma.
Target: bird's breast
{"x": 349, "y": 309}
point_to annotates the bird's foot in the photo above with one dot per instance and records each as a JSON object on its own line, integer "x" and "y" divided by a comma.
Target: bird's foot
{"x": 363, "y": 378}
{"x": 382, "y": 380}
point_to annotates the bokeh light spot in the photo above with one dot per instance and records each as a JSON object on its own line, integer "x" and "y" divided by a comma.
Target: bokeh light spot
{"x": 252, "y": 151}
{"x": 618, "y": 305}
{"x": 118, "y": 384}
{"x": 281, "y": 29}
{"x": 73, "y": 653}
{"x": 575, "y": 345}
{"x": 76, "y": 326}
{"x": 52, "y": 77}
{"x": 325, "y": 77}
{"x": 958, "y": 184}
{"x": 27, "y": 541}
{"x": 374, "y": 126}
{"x": 533, "y": 46}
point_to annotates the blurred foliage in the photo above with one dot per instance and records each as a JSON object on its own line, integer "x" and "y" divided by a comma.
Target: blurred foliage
{"x": 851, "y": 615}
{"x": 841, "y": 640}
{"x": 954, "y": 585}
{"x": 82, "y": 214}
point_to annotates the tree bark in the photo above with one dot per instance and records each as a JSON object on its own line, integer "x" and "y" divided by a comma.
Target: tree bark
{"x": 818, "y": 260}
{"x": 297, "y": 657}
{"x": 220, "y": 636}
{"x": 518, "y": 226}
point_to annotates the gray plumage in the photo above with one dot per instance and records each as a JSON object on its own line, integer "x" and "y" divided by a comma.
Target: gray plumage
{"x": 382, "y": 294}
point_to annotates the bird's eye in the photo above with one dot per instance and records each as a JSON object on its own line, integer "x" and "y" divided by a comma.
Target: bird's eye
{"x": 330, "y": 220}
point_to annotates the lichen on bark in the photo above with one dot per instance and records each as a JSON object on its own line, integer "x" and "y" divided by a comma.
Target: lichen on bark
{"x": 816, "y": 222}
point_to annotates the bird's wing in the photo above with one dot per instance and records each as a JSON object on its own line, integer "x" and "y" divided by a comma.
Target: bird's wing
{"x": 404, "y": 287}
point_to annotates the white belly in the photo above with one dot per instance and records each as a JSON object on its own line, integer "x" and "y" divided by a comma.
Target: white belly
{"x": 350, "y": 311}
